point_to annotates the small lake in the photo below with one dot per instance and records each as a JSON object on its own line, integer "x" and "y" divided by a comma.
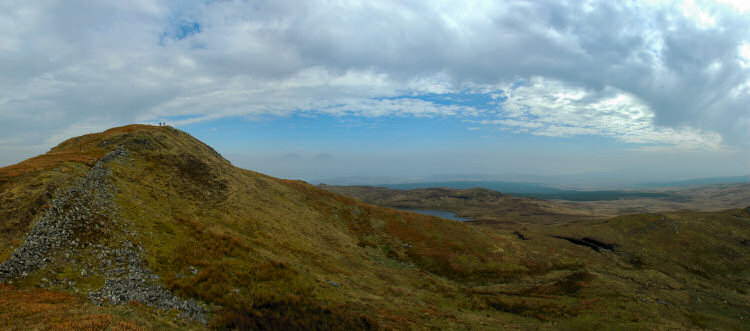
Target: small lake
{"x": 439, "y": 213}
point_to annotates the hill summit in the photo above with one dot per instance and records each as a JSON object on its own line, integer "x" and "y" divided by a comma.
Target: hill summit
{"x": 147, "y": 227}
{"x": 150, "y": 215}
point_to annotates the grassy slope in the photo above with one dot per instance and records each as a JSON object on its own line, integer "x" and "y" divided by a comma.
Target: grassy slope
{"x": 268, "y": 253}
{"x": 268, "y": 248}
{"x": 689, "y": 267}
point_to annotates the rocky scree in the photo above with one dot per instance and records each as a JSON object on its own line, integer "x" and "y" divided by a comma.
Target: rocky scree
{"x": 81, "y": 222}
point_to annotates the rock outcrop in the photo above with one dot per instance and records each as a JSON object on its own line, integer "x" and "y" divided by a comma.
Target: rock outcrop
{"x": 78, "y": 228}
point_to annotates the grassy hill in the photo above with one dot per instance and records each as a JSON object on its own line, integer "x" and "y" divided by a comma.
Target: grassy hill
{"x": 143, "y": 227}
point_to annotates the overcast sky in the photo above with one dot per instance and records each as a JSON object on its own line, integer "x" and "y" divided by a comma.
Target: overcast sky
{"x": 312, "y": 90}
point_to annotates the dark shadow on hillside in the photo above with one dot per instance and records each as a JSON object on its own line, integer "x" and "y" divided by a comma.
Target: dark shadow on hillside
{"x": 590, "y": 243}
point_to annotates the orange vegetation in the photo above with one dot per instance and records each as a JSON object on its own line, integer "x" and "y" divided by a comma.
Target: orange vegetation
{"x": 33, "y": 308}
{"x": 46, "y": 162}
{"x": 84, "y": 149}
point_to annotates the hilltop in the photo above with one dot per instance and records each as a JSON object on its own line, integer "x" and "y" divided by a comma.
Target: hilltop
{"x": 144, "y": 227}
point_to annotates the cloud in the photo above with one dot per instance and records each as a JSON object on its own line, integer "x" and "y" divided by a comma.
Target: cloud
{"x": 672, "y": 72}
{"x": 552, "y": 108}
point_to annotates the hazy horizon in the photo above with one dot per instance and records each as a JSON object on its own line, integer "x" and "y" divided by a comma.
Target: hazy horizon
{"x": 595, "y": 91}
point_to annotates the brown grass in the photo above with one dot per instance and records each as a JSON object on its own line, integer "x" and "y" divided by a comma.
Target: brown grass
{"x": 46, "y": 162}
{"x": 31, "y": 308}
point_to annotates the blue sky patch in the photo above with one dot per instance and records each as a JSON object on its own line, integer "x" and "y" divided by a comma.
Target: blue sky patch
{"x": 180, "y": 31}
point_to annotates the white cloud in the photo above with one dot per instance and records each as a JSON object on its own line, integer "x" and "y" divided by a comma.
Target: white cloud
{"x": 698, "y": 12}
{"x": 659, "y": 72}
{"x": 744, "y": 51}
{"x": 552, "y": 108}
{"x": 740, "y": 5}
{"x": 399, "y": 107}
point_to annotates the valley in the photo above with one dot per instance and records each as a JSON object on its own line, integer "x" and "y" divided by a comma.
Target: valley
{"x": 483, "y": 204}
{"x": 478, "y": 204}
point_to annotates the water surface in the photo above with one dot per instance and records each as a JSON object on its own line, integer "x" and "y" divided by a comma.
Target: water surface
{"x": 439, "y": 213}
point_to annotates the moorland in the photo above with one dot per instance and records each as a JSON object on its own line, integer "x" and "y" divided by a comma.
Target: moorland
{"x": 143, "y": 227}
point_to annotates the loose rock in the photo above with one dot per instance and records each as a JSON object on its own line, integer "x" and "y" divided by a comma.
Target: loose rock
{"x": 67, "y": 225}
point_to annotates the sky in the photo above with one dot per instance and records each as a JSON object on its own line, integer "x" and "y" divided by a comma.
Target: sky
{"x": 315, "y": 90}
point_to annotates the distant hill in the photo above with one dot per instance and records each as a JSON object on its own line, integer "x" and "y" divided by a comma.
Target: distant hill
{"x": 534, "y": 190}
{"x": 525, "y": 188}
{"x": 531, "y": 184}
{"x": 474, "y": 203}
{"x": 712, "y": 197}
{"x": 700, "y": 181}
{"x": 143, "y": 227}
